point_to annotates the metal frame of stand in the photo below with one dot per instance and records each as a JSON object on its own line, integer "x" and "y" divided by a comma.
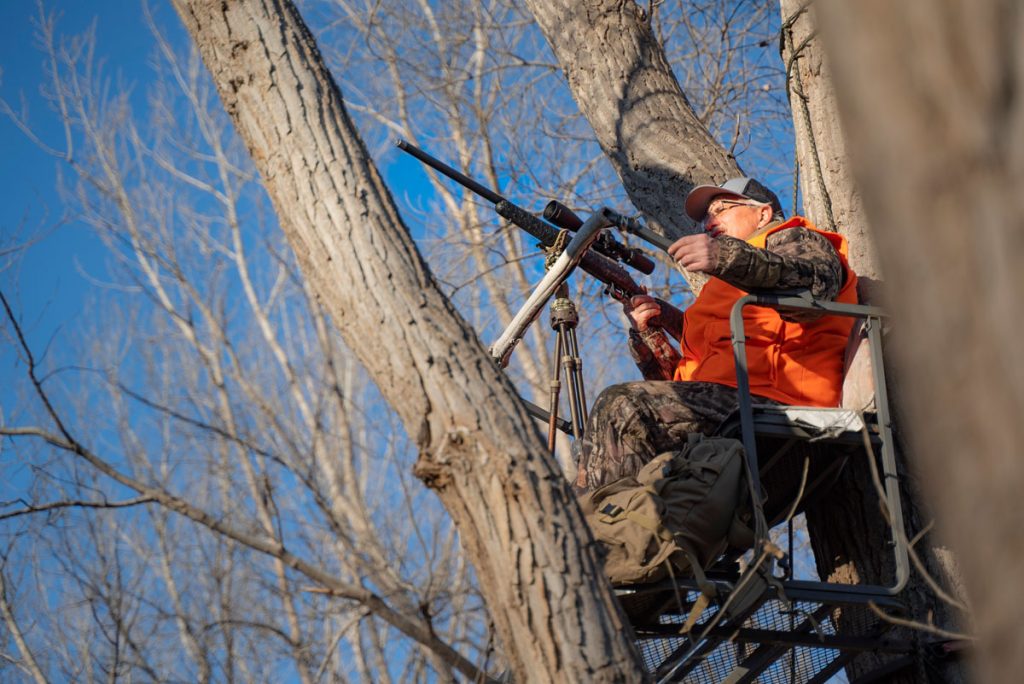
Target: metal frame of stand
{"x": 759, "y": 618}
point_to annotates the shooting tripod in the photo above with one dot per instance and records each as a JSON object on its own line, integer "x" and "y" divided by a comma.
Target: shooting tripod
{"x": 564, "y": 320}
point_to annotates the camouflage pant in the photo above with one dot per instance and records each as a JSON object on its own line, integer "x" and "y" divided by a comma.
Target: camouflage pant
{"x": 633, "y": 422}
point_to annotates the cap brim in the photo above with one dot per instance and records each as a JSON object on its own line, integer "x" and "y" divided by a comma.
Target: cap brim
{"x": 697, "y": 202}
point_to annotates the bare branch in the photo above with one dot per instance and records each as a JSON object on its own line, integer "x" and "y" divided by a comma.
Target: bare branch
{"x": 264, "y": 544}
{"x": 28, "y": 662}
{"x": 928, "y": 627}
{"x": 56, "y": 505}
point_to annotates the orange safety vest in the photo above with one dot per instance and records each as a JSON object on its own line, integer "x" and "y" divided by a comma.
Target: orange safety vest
{"x": 799, "y": 364}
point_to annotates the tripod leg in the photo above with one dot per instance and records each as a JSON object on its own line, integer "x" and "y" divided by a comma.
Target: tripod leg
{"x": 577, "y": 364}
{"x": 556, "y": 386}
{"x": 569, "y": 363}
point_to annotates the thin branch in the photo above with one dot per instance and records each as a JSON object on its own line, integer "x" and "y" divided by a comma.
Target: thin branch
{"x": 329, "y": 652}
{"x": 921, "y": 626}
{"x": 55, "y": 505}
{"x": 902, "y": 534}
{"x": 29, "y": 663}
{"x": 269, "y": 546}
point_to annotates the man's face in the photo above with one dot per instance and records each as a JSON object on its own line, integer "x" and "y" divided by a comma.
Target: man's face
{"x": 735, "y": 216}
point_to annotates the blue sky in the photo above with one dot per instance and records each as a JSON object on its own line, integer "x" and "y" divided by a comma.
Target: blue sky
{"x": 48, "y": 285}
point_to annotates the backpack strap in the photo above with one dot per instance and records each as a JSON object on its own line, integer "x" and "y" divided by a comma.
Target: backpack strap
{"x": 761, "y": 531}
{"x": 707, "y": 589}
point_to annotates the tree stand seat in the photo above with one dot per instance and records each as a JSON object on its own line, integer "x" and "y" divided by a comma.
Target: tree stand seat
{"x": 801, "y": 451}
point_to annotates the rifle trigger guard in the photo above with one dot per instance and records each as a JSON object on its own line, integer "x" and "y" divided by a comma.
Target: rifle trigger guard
{"x": 616, "y": 293}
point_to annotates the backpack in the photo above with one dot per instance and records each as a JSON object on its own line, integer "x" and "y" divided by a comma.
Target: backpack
{"x": 676, "y": 516}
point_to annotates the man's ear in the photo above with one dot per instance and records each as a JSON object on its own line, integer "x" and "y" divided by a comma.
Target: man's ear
{"x": 765, "y": 216}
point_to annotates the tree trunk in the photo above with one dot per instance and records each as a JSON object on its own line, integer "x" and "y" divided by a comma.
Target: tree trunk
{"x": 930, "y": 94}
{"x": 830, "y": 198}
{"x": 831, "y": 201}
{"x": 623, "y": 84}
{"x": 535, "y": 560}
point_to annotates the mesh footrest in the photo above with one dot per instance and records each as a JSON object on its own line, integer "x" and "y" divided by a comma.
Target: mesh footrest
{"x": 770, "y": 640}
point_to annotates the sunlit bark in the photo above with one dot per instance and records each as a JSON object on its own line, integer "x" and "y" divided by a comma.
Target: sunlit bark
{"x": 479, "y": 449}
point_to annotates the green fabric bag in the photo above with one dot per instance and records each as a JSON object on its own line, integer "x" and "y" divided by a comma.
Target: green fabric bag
{"x": 676, "y": 516}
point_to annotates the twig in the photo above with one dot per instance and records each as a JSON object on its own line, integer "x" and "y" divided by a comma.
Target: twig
{"x": 54, "y": 505}
{"x": 922, "y": 626}
{"x": 915, "y": 558}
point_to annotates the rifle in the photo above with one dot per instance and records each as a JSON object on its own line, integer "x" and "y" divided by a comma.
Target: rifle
{"x": 600, "y": 262}
{"x": 592, "y": 249}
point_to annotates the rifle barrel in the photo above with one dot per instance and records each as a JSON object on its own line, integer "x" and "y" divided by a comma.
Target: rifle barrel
{"x": 456, "y": 176}
{"x": 602, "y": 267}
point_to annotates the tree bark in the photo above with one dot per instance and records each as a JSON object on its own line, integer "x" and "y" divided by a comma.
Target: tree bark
{"x": 832, "y": 202}
{"x": 536, "y": 562}
{"x": 931, "y": 97}
{"x": 830, "y": 197}
{"x": 623, "y": 84}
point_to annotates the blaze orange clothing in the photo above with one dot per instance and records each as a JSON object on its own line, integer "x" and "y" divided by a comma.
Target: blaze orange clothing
{"x": 795, "y": 363}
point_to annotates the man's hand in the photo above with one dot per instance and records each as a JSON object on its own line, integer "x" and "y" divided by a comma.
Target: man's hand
{"x": 696, "y": 252}
{"x": 642, "y": 312}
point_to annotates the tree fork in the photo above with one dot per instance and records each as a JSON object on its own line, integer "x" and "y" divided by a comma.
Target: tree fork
{"x": 623, "y": 84}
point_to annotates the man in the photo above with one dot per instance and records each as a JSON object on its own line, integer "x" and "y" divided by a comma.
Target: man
{"x": 746, "y": 244}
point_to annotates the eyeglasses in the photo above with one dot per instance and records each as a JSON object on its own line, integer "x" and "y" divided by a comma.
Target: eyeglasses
{"x": 719, "y": 207}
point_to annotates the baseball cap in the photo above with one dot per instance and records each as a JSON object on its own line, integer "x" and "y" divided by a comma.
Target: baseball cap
{"x": 700, "y": 197}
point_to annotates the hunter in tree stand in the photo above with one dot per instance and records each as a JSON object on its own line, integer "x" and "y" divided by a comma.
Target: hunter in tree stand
{"x": 747, "y": 245}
